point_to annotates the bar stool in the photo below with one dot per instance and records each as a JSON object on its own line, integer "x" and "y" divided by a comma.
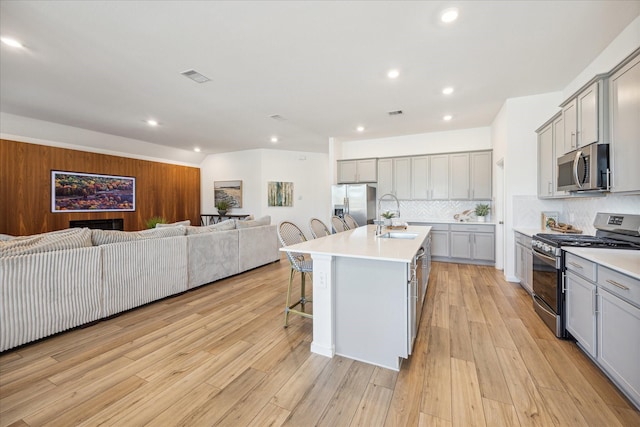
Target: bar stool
{"x": 350, "y": 221}
{"x": 290, "y": 234}
{"x": 338, "y": 224}
{"x": 318, "y": 228}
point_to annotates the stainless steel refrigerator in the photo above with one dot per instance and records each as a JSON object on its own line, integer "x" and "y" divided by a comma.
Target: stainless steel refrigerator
{"x": 358, "y": 200}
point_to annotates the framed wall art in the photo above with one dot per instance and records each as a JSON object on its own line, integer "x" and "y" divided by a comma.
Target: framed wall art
{"x": 280, "y": 193}
{"x": 86, "y": 192}
{"x": 228, "y": 191}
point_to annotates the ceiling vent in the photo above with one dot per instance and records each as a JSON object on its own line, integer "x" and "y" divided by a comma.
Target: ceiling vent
{"x": 195, "y": 76}
{"x": 395, "y": 113}
{"x": 277, "y": 117}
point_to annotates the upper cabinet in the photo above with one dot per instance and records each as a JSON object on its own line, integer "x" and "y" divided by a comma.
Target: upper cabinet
{"x": 430, "y": 177}
{"x": 550, "y": 139}
{"x": 394, "y": 177}
{"x": 354, "y": 171}
{"x": 470, "y": 176}
{"x": 624, "y": 107}
{"x": 585, "y": 116}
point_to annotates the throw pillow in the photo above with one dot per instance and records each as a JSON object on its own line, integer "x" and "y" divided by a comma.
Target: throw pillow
{"x": 158, "y": 233}
{"x": 228, "y": 224}
{"x": 105, "y": 237}
{"x": 6, "y": 237}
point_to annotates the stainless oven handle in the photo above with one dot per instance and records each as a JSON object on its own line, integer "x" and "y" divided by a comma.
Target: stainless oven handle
{"x": 575, "y": 169}
{"x": 545, "y": 256}
{"x": 536, "y": 298}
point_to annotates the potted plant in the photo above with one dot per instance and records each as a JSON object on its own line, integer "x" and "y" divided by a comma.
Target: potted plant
{"x": 482, "y": 210}
{"x": 387, "y": 217}
{"x": 151, "y": 222}
{"x": 223, "y": 206}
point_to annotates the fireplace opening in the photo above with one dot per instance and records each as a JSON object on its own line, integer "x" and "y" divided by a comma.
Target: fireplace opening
{"x": 102, "y": 224}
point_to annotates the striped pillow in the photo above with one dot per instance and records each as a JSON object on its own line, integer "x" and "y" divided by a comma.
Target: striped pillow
{"x": 228, "y": 224}
{"x": 186, "y": 222}
{"x": 106, "y": 237}
{"x": 55, "y": 241}
{"x": 265, "y": 220}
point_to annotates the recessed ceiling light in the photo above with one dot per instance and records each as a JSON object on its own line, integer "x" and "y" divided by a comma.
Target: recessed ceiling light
{"x": 197, "y": 149}
{"x": 393, "y": 74}
{"x": 274, "y": 139}
{"x": 152, "y": 122}
{"x": 449, "y": 15}
{"x": 447, "y": 117}
{"x": 447, "y": 90}
{"x": 360, "y": 128}
{"x": 11, "y": 42}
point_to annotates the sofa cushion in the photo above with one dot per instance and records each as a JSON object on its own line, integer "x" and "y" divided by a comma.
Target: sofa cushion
{"x": 186, "y": 223}
{"x": 54, "y": 241}
{"x": 228, "y": 224}
{"x": 265, "y": 220}
{"x": 106, "y": 237}
{"x": 6, "y": 237}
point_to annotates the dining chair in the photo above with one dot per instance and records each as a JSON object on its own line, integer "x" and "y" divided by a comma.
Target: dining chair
{"x": 351, "y": 222}
{"x": 338, "y": 224}
{"x": 318, "y": 228}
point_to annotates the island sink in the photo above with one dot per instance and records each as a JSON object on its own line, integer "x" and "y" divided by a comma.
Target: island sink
{"x": 392, "y": 235}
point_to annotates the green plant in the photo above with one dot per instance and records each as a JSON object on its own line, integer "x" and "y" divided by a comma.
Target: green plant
{"x": 388, "y": 214}
{"x": 482, "y": 209}
{"x": 223, "y": 205}
{"x": 151, "y": 222}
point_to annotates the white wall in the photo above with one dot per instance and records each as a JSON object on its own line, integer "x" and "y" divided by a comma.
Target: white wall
{"x": 308, "y": 171}
{"x": 25, "y": 129}
{"x": 424, "y": 143}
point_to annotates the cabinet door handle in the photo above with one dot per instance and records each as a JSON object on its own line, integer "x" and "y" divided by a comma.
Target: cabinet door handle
{"x": 618, "y": 285}
{"x": 549, "y": 188}
{"x": 593, "y": 301}
{"x": 575, "y": 265}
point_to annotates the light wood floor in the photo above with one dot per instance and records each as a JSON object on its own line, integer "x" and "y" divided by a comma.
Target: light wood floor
{"x": 219, "y": 356}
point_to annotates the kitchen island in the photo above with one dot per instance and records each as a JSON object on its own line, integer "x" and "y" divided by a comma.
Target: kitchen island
{"x": 368, "y": 292}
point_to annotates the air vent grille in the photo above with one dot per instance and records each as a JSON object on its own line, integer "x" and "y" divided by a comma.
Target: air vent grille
{"x": 195, "y": 76}
{"x": 395, "y": 113}
{"x": 277, "y": 117}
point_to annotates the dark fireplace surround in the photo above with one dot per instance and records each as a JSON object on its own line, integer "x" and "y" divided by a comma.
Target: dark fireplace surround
{"x": 102, "y": 224}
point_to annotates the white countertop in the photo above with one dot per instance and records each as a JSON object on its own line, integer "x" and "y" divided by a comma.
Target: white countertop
{"x": 530, "y": 231}
{"x": 446, "y": 221}
{"x": 622, "y": 260}
{"x": 363, "y": 243}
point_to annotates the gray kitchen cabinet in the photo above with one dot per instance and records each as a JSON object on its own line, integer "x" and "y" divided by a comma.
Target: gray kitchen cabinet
{"x": 524, "y": 261}
{"x": 394, "y": 177}
{"x": 439, "y": 177}
{"x": 603, "y": 315}
{"x": 480, "y": 176}
{"x": 550, "y": 138}
{"x": 459, "y": 176}
{"x": 385, "y": 177}
{"x": 546, "y": 160}
{"x": 473, "y": 243}
{"x": 580, "y": 297}
{"x": 624, "y": 106}
{"x": 430, "y": 177}
{"x": 358, "y": 170}
{"x": 584, "y": 116}
{"x": 402, "y": 178}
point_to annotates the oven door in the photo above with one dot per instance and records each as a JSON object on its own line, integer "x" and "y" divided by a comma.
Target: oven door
{"x": 546, "y": 290}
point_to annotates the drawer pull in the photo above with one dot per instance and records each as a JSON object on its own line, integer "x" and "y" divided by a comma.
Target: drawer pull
{"x": 575, "y": 264}
{"x": 618, "y": 285}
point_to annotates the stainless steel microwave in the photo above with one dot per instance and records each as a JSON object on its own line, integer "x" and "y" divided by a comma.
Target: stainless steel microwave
{"x": 584, "y": 169}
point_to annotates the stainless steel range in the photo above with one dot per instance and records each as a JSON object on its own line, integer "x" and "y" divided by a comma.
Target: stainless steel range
{"x": 614, "y": 231}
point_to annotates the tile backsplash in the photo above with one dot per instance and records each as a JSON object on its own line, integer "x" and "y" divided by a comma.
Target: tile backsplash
{"x": 579, "y": 212}
{"x": 421, "y": 210}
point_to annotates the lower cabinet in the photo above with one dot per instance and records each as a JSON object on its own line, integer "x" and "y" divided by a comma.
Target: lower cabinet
{"x": 473, "y": 242}
{"x": 603, "y": 315}
{"x": 524, "y": 261}
{"x": 580, "y": 297}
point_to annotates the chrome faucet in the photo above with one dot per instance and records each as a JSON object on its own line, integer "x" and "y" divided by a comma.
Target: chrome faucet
{"x": 394, "y": 198}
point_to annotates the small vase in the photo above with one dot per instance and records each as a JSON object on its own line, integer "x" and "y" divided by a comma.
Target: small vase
{"x": 481, "y": 219}
{"x": 222, "y": 213}
{"x": 387, "y": 222}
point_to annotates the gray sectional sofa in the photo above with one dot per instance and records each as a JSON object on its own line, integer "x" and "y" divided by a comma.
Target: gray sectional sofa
{"x": 56, "y": 281}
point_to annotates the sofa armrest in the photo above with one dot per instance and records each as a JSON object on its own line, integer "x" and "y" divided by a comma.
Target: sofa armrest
{"x": 212, "y": 256}
{"x": 257, "y": 246}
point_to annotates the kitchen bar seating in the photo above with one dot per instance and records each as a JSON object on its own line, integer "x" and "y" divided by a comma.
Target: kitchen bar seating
{"x": 338, "y": 224}
{"x": 350, "y": 221}
{"x": 318, "y": 228}
{"x": 290, "y": 234}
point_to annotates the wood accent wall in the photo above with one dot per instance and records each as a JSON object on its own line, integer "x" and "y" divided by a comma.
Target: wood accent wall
{"x": 162, "y": 189}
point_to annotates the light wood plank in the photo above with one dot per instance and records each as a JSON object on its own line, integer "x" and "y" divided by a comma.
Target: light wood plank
{"x": 466, "y": 401}
{"x": 498, "y": 414}
{"x": 372, "y": 409}
{"x": 427, "y": 420}
{"x": 490, "y": 376}
{"x": 436, "y": 392}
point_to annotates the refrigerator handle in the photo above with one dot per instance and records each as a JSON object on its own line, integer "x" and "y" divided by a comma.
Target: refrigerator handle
{"x": 346, "y": 205}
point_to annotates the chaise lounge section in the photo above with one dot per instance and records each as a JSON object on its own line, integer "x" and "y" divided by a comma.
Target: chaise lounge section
{"x": 56, "y": 281}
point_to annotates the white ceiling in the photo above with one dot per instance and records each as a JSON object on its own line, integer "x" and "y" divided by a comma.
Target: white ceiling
{"x": 108, "y": 66}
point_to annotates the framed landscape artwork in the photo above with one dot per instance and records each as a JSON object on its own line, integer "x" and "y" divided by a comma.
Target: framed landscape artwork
{"x": 86, "y": 192}
{"x": 228, "y": 191}
{"x": 280, "y": 193}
